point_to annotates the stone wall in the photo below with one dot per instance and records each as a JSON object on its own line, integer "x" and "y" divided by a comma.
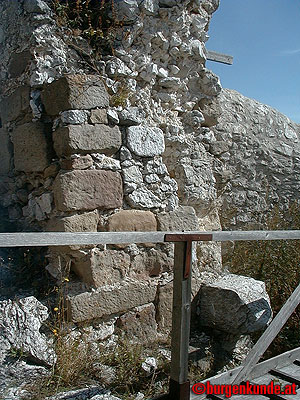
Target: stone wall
{"x": 74, "y": 159}
{"x": 257, "y": 160}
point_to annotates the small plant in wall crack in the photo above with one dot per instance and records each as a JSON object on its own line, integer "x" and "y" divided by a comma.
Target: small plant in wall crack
{"x": 94, "y": 20}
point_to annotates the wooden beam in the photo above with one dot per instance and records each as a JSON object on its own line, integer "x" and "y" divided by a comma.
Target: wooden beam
{"x": 268, "y": 336}
{"x": 260, "y": 369}
{"x": 28, "y": 239}
{"x": 219, "y": 57}
{"x": 179, "y": 384}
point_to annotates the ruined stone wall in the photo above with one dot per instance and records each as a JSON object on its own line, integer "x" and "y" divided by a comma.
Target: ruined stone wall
{"x": 257, "y": 160}
{"x": 75, "y": 160}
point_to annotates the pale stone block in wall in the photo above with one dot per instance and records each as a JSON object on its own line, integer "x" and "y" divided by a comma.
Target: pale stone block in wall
{"x": 132, "y": 220}
{"x": 184, "y": 218}
{"x": 113, "y": 299}
{"x": 31, "y": 153}
{"x": 5, "y": 152}
{"x": 139, "y": 324}
{"x": 81, "y": 92}
{"x": 144, "y": 141}
{"x": 164, "y": 304}
{"x": 15, "y": 105}
{"x": 102, "y": 267}
{"x": 87, "y": 190}
{"x": 86, "y": 139}
{"x": 86, "y": 222}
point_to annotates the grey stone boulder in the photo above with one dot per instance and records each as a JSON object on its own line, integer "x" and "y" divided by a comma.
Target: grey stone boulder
{"x": 235, "y": 304}
{"x": 20, "y": 322}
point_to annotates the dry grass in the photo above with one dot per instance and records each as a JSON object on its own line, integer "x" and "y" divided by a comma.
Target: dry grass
{"x": 277, "y": 263}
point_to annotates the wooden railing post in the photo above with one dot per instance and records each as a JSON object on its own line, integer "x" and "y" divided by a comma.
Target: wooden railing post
{"x": 179, "y": 383}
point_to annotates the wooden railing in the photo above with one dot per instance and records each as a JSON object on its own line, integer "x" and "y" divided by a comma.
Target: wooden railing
{"x": 179, "y": 388}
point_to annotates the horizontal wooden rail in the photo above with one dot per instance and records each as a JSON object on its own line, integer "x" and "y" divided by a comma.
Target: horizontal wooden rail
{"x": 26, "y": 239}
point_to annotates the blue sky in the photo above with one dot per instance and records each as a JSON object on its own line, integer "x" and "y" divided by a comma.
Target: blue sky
{"x": 263, "y": 36}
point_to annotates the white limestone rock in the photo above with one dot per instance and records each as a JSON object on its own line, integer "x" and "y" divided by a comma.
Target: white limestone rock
{"x": 235, "y": 304}
{"x": 144, "y": 141}
{"x": 20, "y": 322}
{"x": 131, "y": 116}
{"x": 74, "y": 117}
{"x": 143, "y": 198}
{"x": 103, "y": 162}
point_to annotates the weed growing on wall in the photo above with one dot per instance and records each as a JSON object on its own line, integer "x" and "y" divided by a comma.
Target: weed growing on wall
{"x": 277, "y": 263}
{"x": 94, "y": 20}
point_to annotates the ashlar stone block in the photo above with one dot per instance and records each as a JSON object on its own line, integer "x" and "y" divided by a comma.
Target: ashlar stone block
{"x": 15, "y": 105}
{"x": 184, "y": 218}
{"x": 87, "y": 190}
{"x": 77, "y": 92}
{"x": 31, "y": 152}
{"x": 111, "y": 299}
{"x": 86, "y": 222}
{"x": 86, "y": 138}
{"x": 102, "y": 267}
{"x": 132, "y": 220}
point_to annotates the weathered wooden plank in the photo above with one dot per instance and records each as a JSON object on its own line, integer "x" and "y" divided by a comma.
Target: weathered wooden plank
{"x": 269, "y": 335}
{"x": 82, "y": 238}
{"x": 180, "y": 317}
{"x": 255, "y": 235}
{"x": 262, "y": 368}
{"x": 268, "y": 378}
{"x": 79, "y": 238}
{"x": 292, "y": 370}
{"x": 287, "y": 376}
{"x": 219, "y": 57}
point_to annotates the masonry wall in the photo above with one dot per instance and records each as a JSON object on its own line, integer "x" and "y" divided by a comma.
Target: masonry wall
{"x": 73, "y": 160}
{"x": 79, "y": 155}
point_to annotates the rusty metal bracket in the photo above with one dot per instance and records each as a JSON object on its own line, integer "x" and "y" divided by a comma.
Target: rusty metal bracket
{"x": 186, "y": 237}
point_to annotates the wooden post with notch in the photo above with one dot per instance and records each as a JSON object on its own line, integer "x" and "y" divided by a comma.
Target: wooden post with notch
{"x": 179, "y": 388}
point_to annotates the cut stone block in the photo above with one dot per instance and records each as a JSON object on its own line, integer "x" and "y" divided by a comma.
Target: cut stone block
{"x": 140, "y": 324}
{"x": 87, "y": 139}
{"x": 86, "y": 222}
{"x": 102, "y": 267}
{"x": 78, "y": 92}
{"x": 87, "y": 190}
{"x": 151, "y": 263}
{"x": 132, "y": 220}
{"x": 31, "y": 152}
{"x": 108, "y": 300}
{"x": 182, "y": 219}
{"x": 82, "y": 162}
{"x": 15, "y": 105}
{"x": 5, "y": 152}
